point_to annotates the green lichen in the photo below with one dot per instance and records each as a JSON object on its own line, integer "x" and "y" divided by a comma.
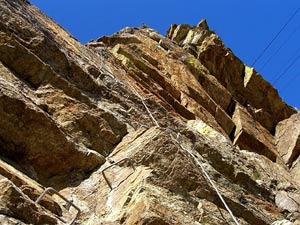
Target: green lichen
{"x": 256, "y": 175}
{"x": 193, "y": 64}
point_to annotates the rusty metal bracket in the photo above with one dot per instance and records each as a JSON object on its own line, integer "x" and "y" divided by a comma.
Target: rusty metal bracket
{"x": 116, "y": 163}
{"x": 50, "y": 189}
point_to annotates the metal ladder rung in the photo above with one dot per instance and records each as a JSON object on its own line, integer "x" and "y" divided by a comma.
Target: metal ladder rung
{"x": 116, "y": 163}
{"x": 50, "y": 189}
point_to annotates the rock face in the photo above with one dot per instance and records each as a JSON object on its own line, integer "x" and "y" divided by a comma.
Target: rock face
{"x": 138, "y": 128}
{"x": 250, "y": 135}
{"x": 288, "y": 138}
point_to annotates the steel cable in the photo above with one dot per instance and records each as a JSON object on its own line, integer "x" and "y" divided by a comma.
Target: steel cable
{"x": 276, "y": 36}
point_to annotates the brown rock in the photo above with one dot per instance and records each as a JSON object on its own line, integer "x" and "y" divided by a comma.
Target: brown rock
{"x": 70, "y": 112}
{"x": 222, "y": 63}
{"x": 211, "y": 85}
{"x": 288, "y": 139}
{"x": 241, "y": 81}
{"x": 28, "y": 186}
{"x": 171, "y": 30}
{"x": 224, "y": 120}
{"x": 119, "y": 39}
{"x": 296, "y": 167}
{"x": 4, "y": 219}
{"x": 16, "y": 204}
{"x": 149, "y": 194}
{"x": 179, "y": 33}
{"x": 250, "y": 135}
{"x": 203, "y": 24}
{"x": 261, "y": 95}
{"x": 288, "y": 201}
{"x": 19, "y": 116}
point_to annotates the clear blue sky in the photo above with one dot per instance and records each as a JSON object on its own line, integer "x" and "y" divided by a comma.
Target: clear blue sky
{"x": 246, "y": 27}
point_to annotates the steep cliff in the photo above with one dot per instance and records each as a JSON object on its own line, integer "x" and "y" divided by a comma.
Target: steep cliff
{"x": 139, "y": 128}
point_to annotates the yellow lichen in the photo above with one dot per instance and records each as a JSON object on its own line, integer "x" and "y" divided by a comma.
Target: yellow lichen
{"x": 189, "y": 37}
{"x": 248, "y": 75}
{"x": 202, "y": 128}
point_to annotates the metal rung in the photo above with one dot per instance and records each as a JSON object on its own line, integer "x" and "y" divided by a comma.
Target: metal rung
{"x": 122, "y": 160}
{"x": 50, "y": 189}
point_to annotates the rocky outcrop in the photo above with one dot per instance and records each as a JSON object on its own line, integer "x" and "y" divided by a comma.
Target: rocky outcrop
{"x": 245, "y": 85}
{"x": 250, "y": 135}
{"x": 288, "y": 139}
{"x": 138, "y": 128}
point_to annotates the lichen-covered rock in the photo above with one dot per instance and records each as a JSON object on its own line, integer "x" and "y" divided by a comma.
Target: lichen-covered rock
{"x": 245, "y": 85}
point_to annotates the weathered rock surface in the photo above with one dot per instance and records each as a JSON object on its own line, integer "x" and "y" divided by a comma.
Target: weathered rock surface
{"x": 128, "y": 126}
{"x": 250, "y": 135}
{"x": 15, "y": 204}
{"x": 243, "y": 82}
{"x": 288, "y": 139}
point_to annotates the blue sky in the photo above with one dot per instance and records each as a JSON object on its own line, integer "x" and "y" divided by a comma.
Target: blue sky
{"x": 246, "y": 27}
